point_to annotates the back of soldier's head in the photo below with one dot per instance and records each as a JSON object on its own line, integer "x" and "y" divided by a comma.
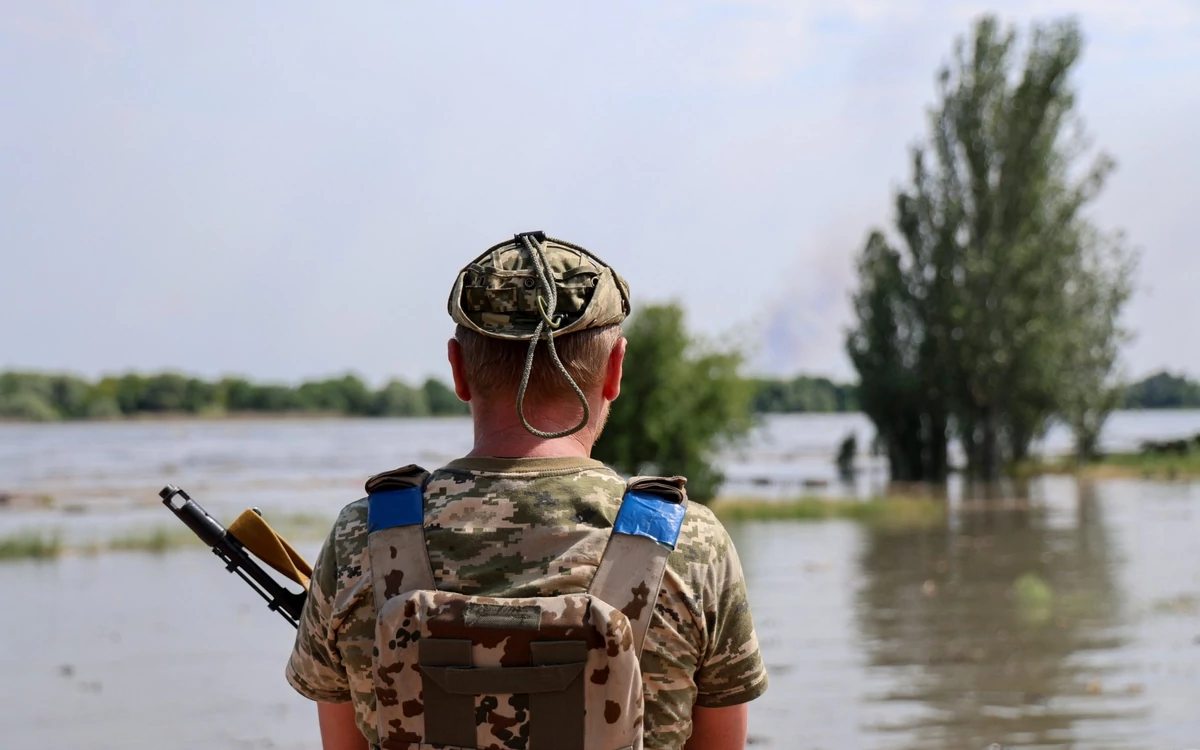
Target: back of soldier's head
{"x": 537, "y": 297}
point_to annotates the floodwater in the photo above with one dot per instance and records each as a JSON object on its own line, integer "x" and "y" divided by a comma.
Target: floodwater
{"x": 1058, "y": 615}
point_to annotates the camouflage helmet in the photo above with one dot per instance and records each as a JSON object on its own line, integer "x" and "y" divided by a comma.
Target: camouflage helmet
{"x": 531, "y": 288}
{"x": 501, "y": 293}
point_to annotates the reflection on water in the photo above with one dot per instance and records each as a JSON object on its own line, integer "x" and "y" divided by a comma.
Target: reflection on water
{"x": 988, "y": 630}
{"x": 1051, "y": 616}
{"x": 1069, "y": 621}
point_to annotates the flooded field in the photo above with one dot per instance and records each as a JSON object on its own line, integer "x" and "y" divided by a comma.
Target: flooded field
{"x": 1063, "y": 615}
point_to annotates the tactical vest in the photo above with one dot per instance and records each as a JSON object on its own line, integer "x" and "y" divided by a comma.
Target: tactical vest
{"x": 543, "y": 673}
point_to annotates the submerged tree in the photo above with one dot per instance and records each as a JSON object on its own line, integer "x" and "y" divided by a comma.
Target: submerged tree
{"x": 1000, "y": 310}
{"x": 680, "y": 402}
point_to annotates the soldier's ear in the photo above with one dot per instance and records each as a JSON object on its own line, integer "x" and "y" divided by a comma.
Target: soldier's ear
{"x": 612, "y": 373}
{"x": 454, "y": 353}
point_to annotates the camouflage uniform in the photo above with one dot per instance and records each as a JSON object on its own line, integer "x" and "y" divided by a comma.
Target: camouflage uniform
{"x": 523, "y": 528}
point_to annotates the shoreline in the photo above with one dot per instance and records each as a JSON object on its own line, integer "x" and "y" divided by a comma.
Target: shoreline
{"x": 238, "y": 416}
{"x": 316, "y": 415}
{"x": 1152, "y": 466}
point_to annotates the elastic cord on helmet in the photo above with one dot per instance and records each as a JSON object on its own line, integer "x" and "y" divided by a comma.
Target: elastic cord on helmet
{"x": 546, "y": 305}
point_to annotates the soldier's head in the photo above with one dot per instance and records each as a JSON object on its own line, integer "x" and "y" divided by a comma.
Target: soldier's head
{"x": 539, "y": 334}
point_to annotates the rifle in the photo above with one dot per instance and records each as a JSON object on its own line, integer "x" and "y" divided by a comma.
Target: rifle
{"x": 263, "y": 541}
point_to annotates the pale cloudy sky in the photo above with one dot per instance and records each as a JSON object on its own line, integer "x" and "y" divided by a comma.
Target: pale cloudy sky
{"x": 287, "y": 190}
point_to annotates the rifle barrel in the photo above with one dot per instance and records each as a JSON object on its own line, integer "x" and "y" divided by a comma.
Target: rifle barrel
{"x": 227, "y": 547}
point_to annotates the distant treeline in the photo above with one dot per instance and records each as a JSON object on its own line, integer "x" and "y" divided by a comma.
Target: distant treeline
{"x": 1163, "y": 391}
{"x": 42, "y": 397}
{"x": 807, "y": 394}
{"x": 803, "y": 394}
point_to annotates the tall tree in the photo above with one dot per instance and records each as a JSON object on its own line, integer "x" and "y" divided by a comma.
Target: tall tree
{"x": 1001, "y": 279}
{"x": 1087, "y": 386}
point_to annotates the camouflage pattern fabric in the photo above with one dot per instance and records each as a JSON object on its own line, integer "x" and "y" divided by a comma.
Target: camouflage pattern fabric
{"x": 533, "y": 528}
{"x": 497, "y": 294}
{"x": 610, "y": 675}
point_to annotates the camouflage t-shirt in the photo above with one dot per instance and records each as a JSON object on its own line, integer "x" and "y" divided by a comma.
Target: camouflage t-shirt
{"x": 538, "y": 527}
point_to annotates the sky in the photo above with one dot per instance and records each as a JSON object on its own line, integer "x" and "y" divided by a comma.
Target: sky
{"x": 287, "y": 191}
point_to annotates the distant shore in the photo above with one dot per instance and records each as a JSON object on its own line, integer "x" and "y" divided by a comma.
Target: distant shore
{"x": 236, "y": 416}
{"x": 298, "y": 416}
{"x": 1147, "y": 464}
{"x": 56, "y": 397}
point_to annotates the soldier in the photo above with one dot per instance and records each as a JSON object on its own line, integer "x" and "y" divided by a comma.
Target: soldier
{"x": 501, "y": 601}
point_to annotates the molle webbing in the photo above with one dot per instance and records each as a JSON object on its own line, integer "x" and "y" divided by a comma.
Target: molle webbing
{"x": 554, "y": 684}
{"x": 646, "y": 530}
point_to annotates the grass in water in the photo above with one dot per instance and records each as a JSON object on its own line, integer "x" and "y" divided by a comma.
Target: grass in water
{"x": 1121, "y": 466}
{"x": 157, "y": 540}
{"x": 29, "y": 545}
{"x": 304, "y": 527}
{"x": 887, "y": 511}
{"x": 1156, "y": 466}
{"x": 300, "y": 526}
{"x": 295, "y": 527}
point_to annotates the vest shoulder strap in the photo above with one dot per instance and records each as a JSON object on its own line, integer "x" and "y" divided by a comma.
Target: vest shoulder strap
{"x": 643, "y": 536}
{"x": 397, "y": 479}
{"x": 395, "y": 535}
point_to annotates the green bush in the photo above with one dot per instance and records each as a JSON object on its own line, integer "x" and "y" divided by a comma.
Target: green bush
{"x": 680, "y": 402}
{"x": 26, "y": 406}
{"x": 442, "y": 399}
{"x": 399, "y": 399}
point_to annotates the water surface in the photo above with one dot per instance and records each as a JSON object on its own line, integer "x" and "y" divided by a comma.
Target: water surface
{"x": 1060, "y": 615}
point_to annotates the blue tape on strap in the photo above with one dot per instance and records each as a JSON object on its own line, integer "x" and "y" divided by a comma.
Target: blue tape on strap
{"x": 395, "y": 508}
{"x": 643, "y": 514}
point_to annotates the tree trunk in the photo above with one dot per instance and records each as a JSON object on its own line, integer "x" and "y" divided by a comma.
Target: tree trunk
{"x": 989, "y": 449}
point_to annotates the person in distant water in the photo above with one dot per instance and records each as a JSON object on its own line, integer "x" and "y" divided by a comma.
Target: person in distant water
{"x": 526, "y": 596}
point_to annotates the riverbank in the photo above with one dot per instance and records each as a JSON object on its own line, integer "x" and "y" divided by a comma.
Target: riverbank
{"x": 221, "y": 416}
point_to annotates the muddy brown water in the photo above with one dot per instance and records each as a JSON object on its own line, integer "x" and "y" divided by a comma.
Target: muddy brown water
{"x": 1068, "y": 617}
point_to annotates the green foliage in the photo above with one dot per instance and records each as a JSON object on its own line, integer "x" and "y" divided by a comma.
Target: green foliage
{"x": 680, "y": 402}
{"x": 102, "y": 407}
{"x": 1163, "y": 391}
{"x": 803, "y": 394}
{"x": 1085, "y": 391}
{"x": 157, "y": 540}
{"x": 42, "y": 397}
{"x": 39, "y": 544}
{"x": 27, "y": 407}
{"x": 399, "y": 399}
{"x": 345, "y": 395}
{"x": 896, "y": 364}
{"x": 30, "y": 545}
{"x": 240, "y": 395}
{"x": 442, "y": 400}
{"x": 163, "y": 393}
{"x": 999, "y": 311}
{"x": 71, "y": 396}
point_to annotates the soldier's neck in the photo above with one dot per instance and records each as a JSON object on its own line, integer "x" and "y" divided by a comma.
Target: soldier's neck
{"x": 499, "y": 433}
